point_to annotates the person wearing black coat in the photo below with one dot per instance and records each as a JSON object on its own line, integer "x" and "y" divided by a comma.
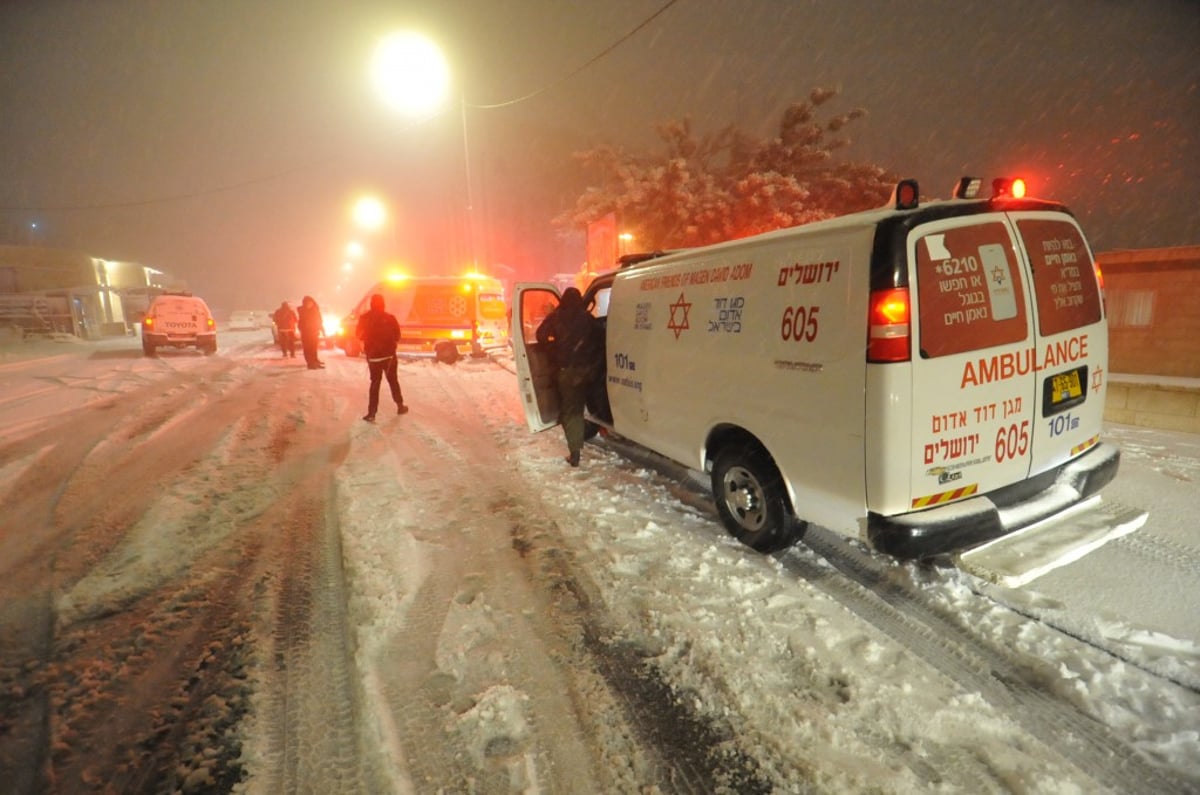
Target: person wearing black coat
{"x": 379, "y": 332}
{"x": 576, "y": 340}
{"x": 285, "y": 329}
{"x": 311, "y": 328}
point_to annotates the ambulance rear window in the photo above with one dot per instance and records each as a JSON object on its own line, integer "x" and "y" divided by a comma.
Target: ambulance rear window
{"x": 1064, "y": 279}
{"x": 969, "y": 289}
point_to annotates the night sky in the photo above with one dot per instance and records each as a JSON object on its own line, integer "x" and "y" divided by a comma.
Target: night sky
{"x": 225, "y": 140}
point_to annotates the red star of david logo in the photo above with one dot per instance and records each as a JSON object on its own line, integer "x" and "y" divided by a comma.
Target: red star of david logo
{"x": 1097, "y": 379}
{"x": 679, "y": 316}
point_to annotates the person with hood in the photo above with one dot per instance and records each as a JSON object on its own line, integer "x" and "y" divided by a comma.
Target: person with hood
{"x": 576, "y": 341}
{"x": 311, "y": 328}
{"x": 379, "y": 332}
{"x": 285, "y": 329}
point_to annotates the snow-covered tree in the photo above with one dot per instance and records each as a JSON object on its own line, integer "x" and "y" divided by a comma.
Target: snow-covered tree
{"x": 702, "y": 189}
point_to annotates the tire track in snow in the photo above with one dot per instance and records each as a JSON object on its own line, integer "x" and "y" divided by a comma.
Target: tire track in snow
{"x": 1015, "y": 685}
{"x": 501, "y": 699}
{"x": 669, "y": 746}
{"x": 158, "y": 667}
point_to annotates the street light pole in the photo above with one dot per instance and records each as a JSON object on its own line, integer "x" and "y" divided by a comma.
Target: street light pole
{"x": 467, "y": 171}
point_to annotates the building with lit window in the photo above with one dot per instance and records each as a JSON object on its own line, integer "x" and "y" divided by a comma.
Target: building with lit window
{"x": 59, "y": 291}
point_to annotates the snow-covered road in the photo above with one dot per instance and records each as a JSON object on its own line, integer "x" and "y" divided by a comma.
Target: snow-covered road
{"x": 215, "y": 577}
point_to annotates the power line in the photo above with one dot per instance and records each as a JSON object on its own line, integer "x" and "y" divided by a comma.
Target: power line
{"x": 590, "y": 62}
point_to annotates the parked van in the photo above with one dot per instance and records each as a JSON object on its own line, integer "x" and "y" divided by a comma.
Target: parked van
{"x": 442, "y": 316}
{"x": 924, "y": 377}
{"x": 179, "y": 320}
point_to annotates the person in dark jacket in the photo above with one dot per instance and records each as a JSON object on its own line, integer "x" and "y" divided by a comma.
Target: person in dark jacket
{"x": 379, "y": 332}
{"x": 285, "y": 329}
{"x": 312, "y": 327}
{"x": 576, "y": 340}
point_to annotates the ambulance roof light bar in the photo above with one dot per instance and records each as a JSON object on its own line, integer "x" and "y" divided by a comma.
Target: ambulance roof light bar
{"x": 968, "y": 188}
{"x": 906, "y": 195}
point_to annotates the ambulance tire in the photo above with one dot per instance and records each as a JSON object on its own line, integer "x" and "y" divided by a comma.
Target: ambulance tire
{"x": 590, "y": 429}
{"x": 446, "y": 352}
{"x": 751, "y": 499}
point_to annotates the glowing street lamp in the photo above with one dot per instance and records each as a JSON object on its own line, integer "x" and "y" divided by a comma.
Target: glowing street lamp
{"x": 369, "y": 213}
{"x": 412, "y": 76}
{"x": 410, "y": 73}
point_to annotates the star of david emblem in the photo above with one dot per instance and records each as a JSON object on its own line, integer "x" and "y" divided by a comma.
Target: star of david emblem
{"x": 679, "y": 316}
{"x": 1097, "y": 379}
{"x": 998, "y": 275}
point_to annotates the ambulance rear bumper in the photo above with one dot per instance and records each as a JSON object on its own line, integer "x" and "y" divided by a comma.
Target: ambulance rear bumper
{"x": 962, "y": 525}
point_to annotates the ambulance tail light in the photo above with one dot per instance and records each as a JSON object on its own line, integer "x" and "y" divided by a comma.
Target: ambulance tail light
{"x": 211, "y": 324}
{"x": 1100, "y": 284}
{"x": 888, "y": 336}
{"x": 148, "y": 321}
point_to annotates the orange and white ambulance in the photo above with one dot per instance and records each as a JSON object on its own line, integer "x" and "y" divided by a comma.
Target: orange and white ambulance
{"x": 446, "y": 317}
{"x": 925, "y": 377}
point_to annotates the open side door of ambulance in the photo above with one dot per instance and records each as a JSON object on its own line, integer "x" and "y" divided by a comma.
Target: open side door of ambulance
{"x": 532, "y": 302}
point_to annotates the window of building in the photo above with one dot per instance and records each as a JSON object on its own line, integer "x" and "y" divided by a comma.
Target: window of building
{"x": 1130, "y": 308}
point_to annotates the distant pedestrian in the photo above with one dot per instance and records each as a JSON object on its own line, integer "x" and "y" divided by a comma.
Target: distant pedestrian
{"x": 285, "y": 329}
{"x": 379, "y": 332}
{"x": 576, "y": 342}
{"x": 311, "y": 330}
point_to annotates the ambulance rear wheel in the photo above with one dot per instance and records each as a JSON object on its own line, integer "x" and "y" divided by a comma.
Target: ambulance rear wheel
{"x": 446, "y": 352}
{"x": 751, "y": 499}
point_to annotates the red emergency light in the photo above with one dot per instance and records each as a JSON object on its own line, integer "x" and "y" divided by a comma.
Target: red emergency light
{"x": 906, "y": 195}
{"x": 1008, "y": 187}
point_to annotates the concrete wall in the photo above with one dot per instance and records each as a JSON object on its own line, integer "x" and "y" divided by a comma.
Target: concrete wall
{"x": 1169, "y": 404}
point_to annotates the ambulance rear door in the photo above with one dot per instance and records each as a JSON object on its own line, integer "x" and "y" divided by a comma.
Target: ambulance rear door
{"x": 1071, "y": 356}
{"x": 536, "y": 371}
{"x": 491, "y": 327}
{"x": 974, "y": 387}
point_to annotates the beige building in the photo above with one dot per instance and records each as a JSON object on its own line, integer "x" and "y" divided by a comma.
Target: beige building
{"x": 49, "y": 290}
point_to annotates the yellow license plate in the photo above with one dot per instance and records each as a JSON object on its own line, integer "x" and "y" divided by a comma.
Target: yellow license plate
{"x": 1066, "y": 386}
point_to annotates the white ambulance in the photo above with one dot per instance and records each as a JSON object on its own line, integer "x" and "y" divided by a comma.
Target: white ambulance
{"x": 925, "y": 377}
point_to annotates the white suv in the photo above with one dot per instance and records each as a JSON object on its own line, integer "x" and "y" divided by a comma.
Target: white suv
{"x": 179, "y": 320}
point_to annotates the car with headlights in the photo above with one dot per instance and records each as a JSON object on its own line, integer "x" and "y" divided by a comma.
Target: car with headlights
{"x": 179, "y": 320}
{"x": 330, "y": 325}
{"x": 242, "y": 320}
